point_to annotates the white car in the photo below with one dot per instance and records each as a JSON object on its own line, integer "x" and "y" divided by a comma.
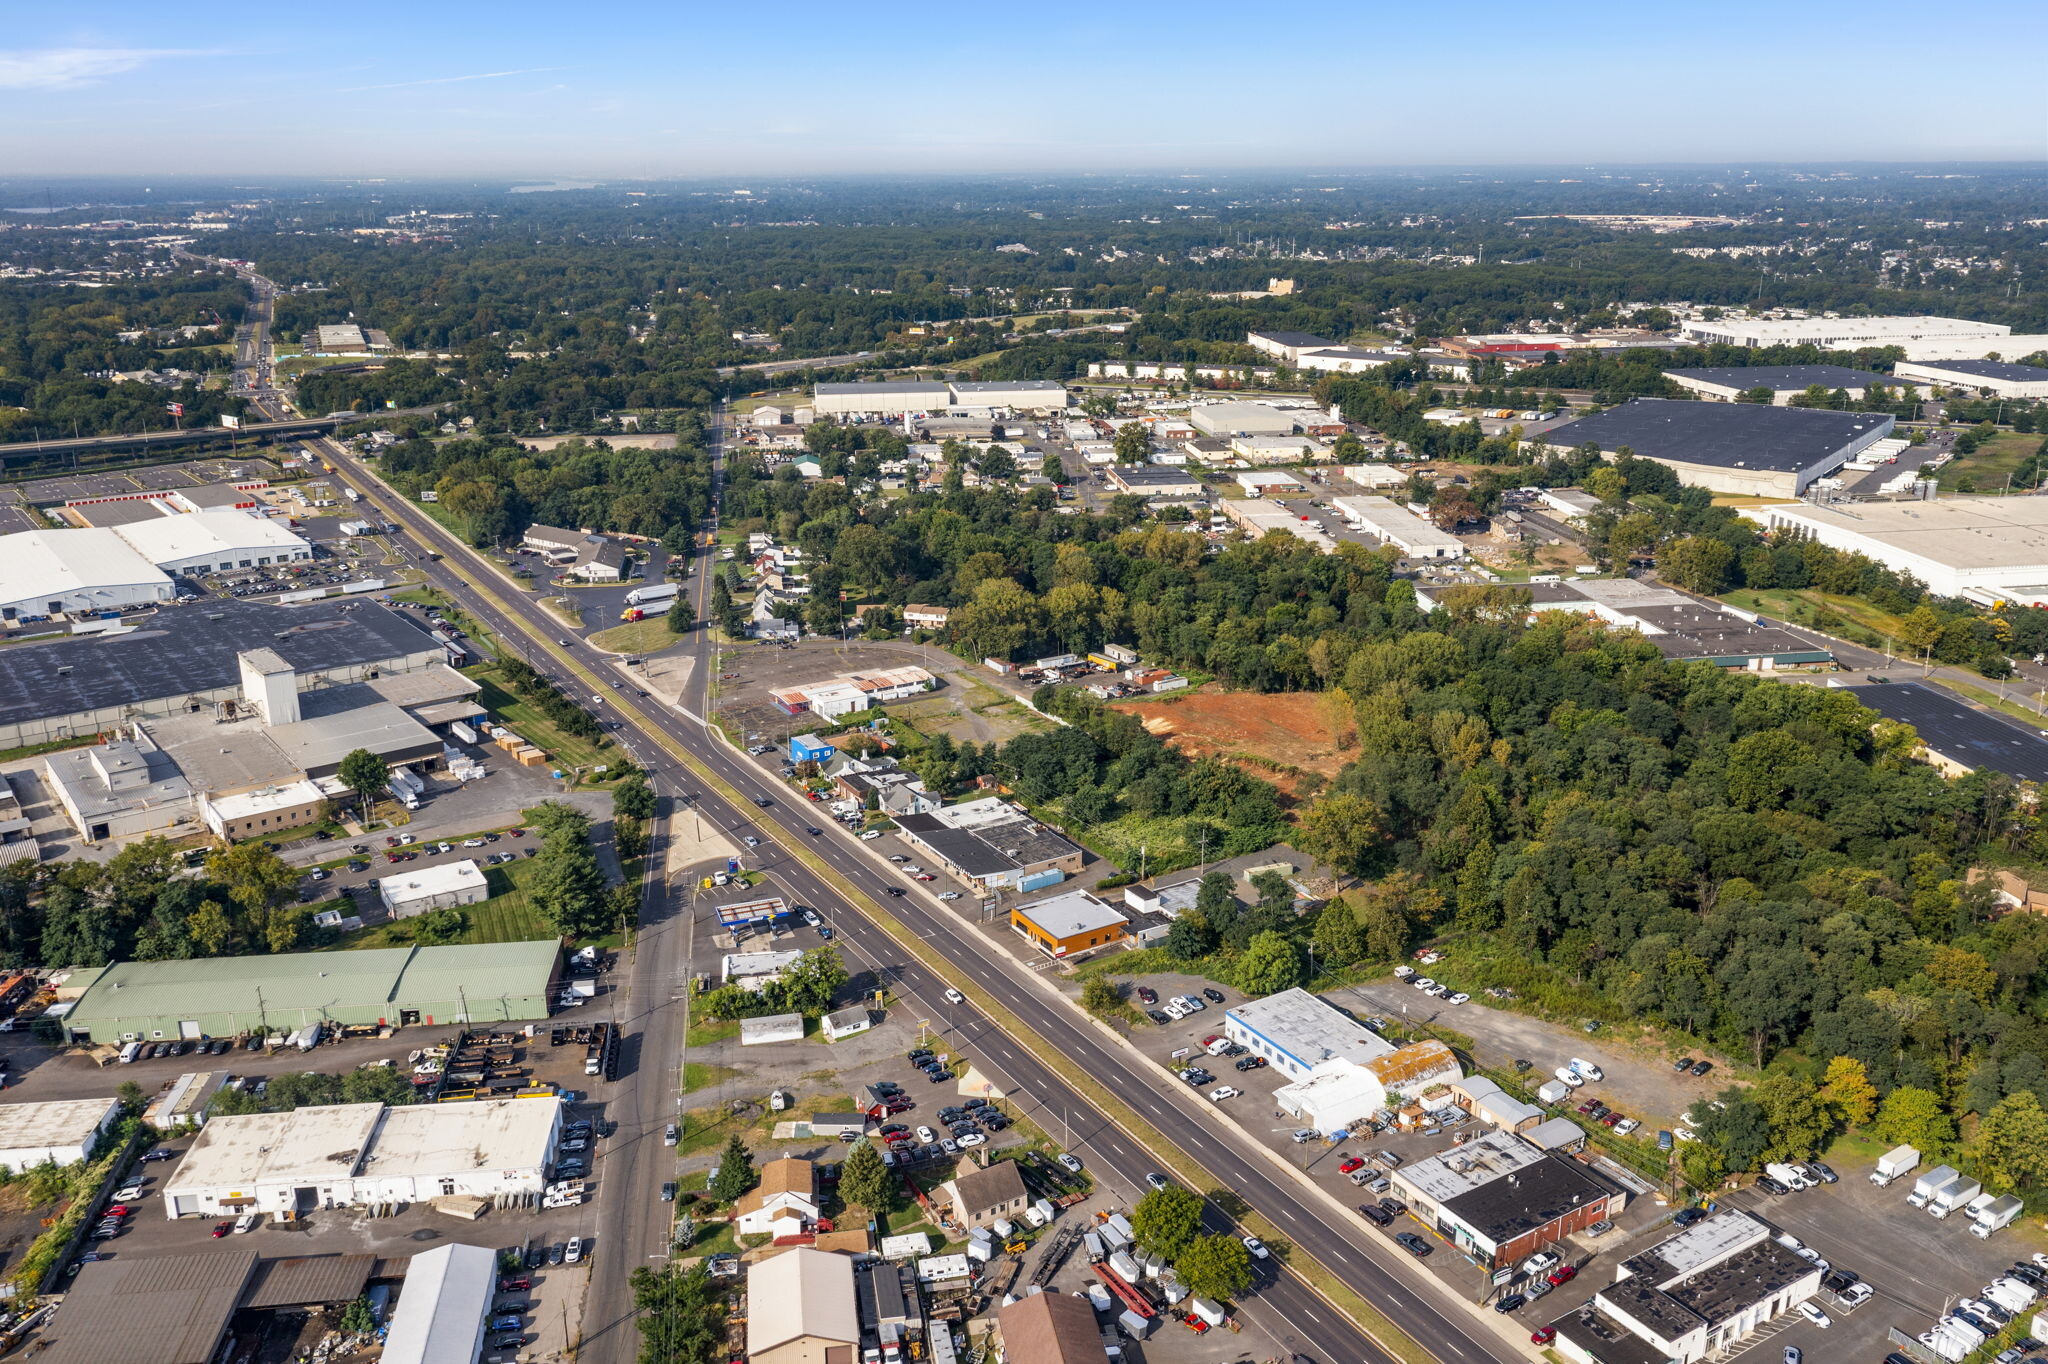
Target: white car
{"x": 1256, "y": 1247}
{"x": 949, "y": 895}
{"x": 1174, "y": 1009}
{"x": 129, "y": 1194}
{"x": 1857, "y": 1294}
{"x": 870, "y": 835}
{"x": 955, "y": 997}
{"x": 926, "y": 1135}
{"x": 1815, "y": 1315}
{"x": 1069, "y": 1161}
{"x": 472, "y": 842}
{"x": 1458, "y": 998}
{"x": 1219, "y": 1094}
{"x": 1626, "y": 1126}
{"x": 1422, "y": 982}
{"x": 970, "y": 1139}
{"x": 575, "y": 1253}
{"x": 911, "y": 869}
{"x": 1540, "y": 1262}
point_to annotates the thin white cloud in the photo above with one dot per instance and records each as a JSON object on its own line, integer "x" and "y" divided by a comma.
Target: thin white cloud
{"x": 450, "y": 80}
{"x": 69, "y": 68}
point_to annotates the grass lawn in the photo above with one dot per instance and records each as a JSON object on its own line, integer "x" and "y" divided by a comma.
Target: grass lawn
{"x": 638, "y": 636}
{"x": 704, "y": 1031}
{"x": 1809, "y": 606}
{"x": 1986, "y": 468}
{"x": 702, "y": 1075}
{"x": 708, "y": 1129}
{"x": 713, "y": 1238}
{"x": 529, "y": 724}
{"x": 2013, "y": 704}
{"x": 505, "y": 917}
{"x": 1151, "y": 843}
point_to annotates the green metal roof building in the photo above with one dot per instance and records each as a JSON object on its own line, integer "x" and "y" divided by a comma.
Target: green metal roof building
{"x": 231, "y": 996}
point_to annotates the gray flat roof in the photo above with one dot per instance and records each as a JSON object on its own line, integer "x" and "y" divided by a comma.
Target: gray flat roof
{"x": 1154, "y": 473}
{"x": 1724, "y": 435}
{"x": 896, "y": 386}
{"x": 1783, "y": 378}
{"x": 192, "y": 649}
{"x": 1296, "y": 339}
{"x": 1974, "y": 738}
{"x": 1987, "y": 369}
{"x": 1537, "y": 1195}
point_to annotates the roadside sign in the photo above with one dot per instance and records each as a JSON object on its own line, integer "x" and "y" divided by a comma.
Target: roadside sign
{"x": 1504, "y": 1276}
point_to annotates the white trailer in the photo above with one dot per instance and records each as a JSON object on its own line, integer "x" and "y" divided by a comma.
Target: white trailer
{"x": 653, "y": 594}
{"x": 463, "y": 732}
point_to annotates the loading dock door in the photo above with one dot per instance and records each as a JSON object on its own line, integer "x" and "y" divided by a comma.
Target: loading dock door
{"x": 189, "y": 1030}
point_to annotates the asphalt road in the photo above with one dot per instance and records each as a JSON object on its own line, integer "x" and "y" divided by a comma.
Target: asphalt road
{"x": 633, "y": 1225}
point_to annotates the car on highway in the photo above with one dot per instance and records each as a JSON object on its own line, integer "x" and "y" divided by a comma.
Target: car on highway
{"x": 669, "y": 1135}
{"x": 954, "y": 996}
{"x": 1256, "y": 1247}
{"x": 893, "y": 890}
{"x": 813, "y": 830}
{"x": 1158, "y": 1181}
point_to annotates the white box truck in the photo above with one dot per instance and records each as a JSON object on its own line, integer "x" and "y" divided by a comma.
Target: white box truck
{"x": 2011, "y": 1294}
{"x": 1998, "y": 1215}
{"x": 1893, "y": 1163}
{"x": 652, "y": 595}
{"x": 1925, "y": 1185}
{"x": 1553, "y": 1092}
{"x": 1952, "y": 1195}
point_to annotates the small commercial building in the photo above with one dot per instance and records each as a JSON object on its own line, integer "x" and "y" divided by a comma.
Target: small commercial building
{"x": 1488, "y": 1102}
{"x": 435, "y": 886}
{"x": 1500, "y": 1199}
{"x": 754, "y": 970}
{"x": 835, "y": 697}
{"x": 1296, "y": 1032}
{"x": 1994, "y": 378}
{"x": 1237, "y": 418}
{"x": 897, "y": 398}
{"x": 1696, "y": 1294}
{"x": 1782, "y": 382}
{"x": 846, "y": 1022}
{"x": 801, "y": 1309}
{"x": 1738, "y": 448}
{"x": 1154, "y": 480}
{"x": 443, "y": 1306}
{"x": 61, "y": 1131}
{"x": 365, "y": 1155}
{"x": 154, "y": 1001}
{"x": 1387, "y": 520}
{"x": 1271, "y": 483}
{"x": 1069, "y": 923}
{"x": 771, "y": 1028}
{"x": 1050, "y": 1328}
{"x": 985, "y": 1194}
{"x": 990, "y": 845}
{"x": 1272, "y": 450}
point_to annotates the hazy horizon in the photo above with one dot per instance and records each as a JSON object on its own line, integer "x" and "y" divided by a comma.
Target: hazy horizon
{"x": 636, "y": 91}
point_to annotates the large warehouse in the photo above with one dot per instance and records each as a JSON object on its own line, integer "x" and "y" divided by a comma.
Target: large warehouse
{"x": 50, "y": 572}
{"x": 154, "y": 1001}
{"x": 1839, "y": 333}
{"x": 185, "y": 662}
{"x": 366, "y": 1155}
{"x": 1784, "y": 382}
{"x": 1017, "y": 395}
{"x": 1987, "y": 549}
{"x": 214, "y": 542}
{"x": 1739, "y": 448}
{"x": 1236, "y": 418}
{"x": 892, "y": 399}
{"x": 1998, "y": 378}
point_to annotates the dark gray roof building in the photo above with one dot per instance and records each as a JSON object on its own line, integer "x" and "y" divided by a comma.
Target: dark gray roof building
{"x": 1728, "y": 381}
{"x": 1742, "y": 448}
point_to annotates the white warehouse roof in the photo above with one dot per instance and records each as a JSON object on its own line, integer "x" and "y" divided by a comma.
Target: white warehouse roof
{"x": 56, "y": 1124}
{"x": 440, "y": 1313}
{"x": 206, "y": 535}
{"x": 428, "y": 882}
{"x": 45, "y": 565}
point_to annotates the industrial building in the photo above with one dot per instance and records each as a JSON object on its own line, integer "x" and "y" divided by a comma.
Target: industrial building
{"x": 1296, "y": 1032}
{"x": 1739, "y": 448}
{"x": 1387, "y": 520}
{"x": 801, "y": 1309}
{"x": 1997, "y": 378}
{"x": 1236, "y": 418}
{"x": 1259, "y": 517}
{"x": 1270, "y": 450}
{"x": 1271, "y": 483}
{"x": 1071, "y": 922}
{"x": 1013, "y": 395}
{"x": 60, "y": 1131}
{"x": 1985, "y": 549}
{"x": 77, "y": 572}
{"x": 992, "y": 845}
{"x": 123, "y": 789}
{"x": 435, "y": 886}
{"x": 156, "y": 1001}
{"x": 366, "y": 1155}
{"x": 1500, "y": 1199}
{"x": 1841, "y": 333}
{"x": 95, "y": 684}
{"x": 1346, "y": 359}
{"x": 1684, "y": 629}
{"x": 1783, "y": 382}
{"x": 213, "y": 542}
{"x": 850, "y": 692}
{"x": 1957, "y": 738}
{"x": 897, "y": 398}
{"x": 1693, "y": 1295}
{"x": 1339, "y": 1093}
{"x": 443, "y": 1306}
{"x": 1287, "y": 346}
{"x": 1154, "y": 480}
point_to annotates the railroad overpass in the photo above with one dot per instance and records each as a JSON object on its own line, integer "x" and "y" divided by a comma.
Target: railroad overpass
{"x": 24, "y": 454}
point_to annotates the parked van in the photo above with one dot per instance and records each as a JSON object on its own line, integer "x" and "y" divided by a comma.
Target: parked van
{"x": 130, "y": 1052}
{"x": 1569, "y": 1076}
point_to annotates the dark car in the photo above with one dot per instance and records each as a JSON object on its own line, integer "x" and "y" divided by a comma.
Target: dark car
{"x": 1213, "y": 995}
{"x": 1702, "y": 1067}
{"x": 1394, "y": 1206}
{"x": 1375, "y": 1214}
{"x": 1148, "y": 994}
{"x": 1157, "y": 1016}
{"x": 1413, "y": 1244}
{"x": 1771, "y": 1186}
{"x": 557, "y": 1253}
{"x": 812, "y": 829}
{"x": 887, "y": 1087}
{"x": 1251, "y": 1062}
{"x": 536, "y": 1257}
{"x": 1513, "y": 1302}
{"x": 1685, "y": 1217}
{"x": 938, "y": 1076}
{"x": 918, "y": 1056}
{"x": 1682, "y": 1064}
{"x": 160, "y": 1154}
{"x": 1827, "y": 1176}
{"x": 894, "y": 890}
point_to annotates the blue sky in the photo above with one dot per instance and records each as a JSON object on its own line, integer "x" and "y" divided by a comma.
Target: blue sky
{"x": 626, "y": 88}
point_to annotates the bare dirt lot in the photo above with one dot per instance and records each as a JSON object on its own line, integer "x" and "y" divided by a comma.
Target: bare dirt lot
{"x": 1298, "y": 729}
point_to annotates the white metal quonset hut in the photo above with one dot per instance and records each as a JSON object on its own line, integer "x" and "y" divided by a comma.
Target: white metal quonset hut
{"x": 443, "y": 1306}
{"x": 62, "y": 1131}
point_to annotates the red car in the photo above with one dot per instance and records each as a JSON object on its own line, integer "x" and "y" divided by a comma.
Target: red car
{"x": 1609, "y": 1119}
{"x": 927, "y": 876}
{"x": 1589, "y": 1105}
{"x": 514, "y": 1285}
{"x": 221, "y": 1229}
{"x": 119, "y": 1210}
{"x": 1355, "y": 1163}
{"x": 1212, "y": 1039}
{"x": 517, "y": 833}
{"x": 1563, "y": 1274}
{"x": 1544, "y": 1336}
{"x": 394, "y": 857}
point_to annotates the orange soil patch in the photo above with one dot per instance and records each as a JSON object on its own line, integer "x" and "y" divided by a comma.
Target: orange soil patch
{"x": 1304, "y": 730}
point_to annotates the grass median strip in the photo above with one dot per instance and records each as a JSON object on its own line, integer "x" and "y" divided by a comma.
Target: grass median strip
{"x": 1341, "y": 1297}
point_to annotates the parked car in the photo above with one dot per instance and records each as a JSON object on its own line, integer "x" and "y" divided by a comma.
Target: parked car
{"x": 1413, "y": 1244}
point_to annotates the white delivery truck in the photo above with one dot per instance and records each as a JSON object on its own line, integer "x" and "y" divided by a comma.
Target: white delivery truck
{"x": 1953, "y": 1195}
{"x": 1999, "y": 1214}
{"x": 1553, "y": 1092}
{"x": 1893, "y": 1163}
{"x": 1925, "y": 1185}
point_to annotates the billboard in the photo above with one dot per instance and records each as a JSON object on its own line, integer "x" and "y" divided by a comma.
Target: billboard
{"x": 230, "y": 421}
